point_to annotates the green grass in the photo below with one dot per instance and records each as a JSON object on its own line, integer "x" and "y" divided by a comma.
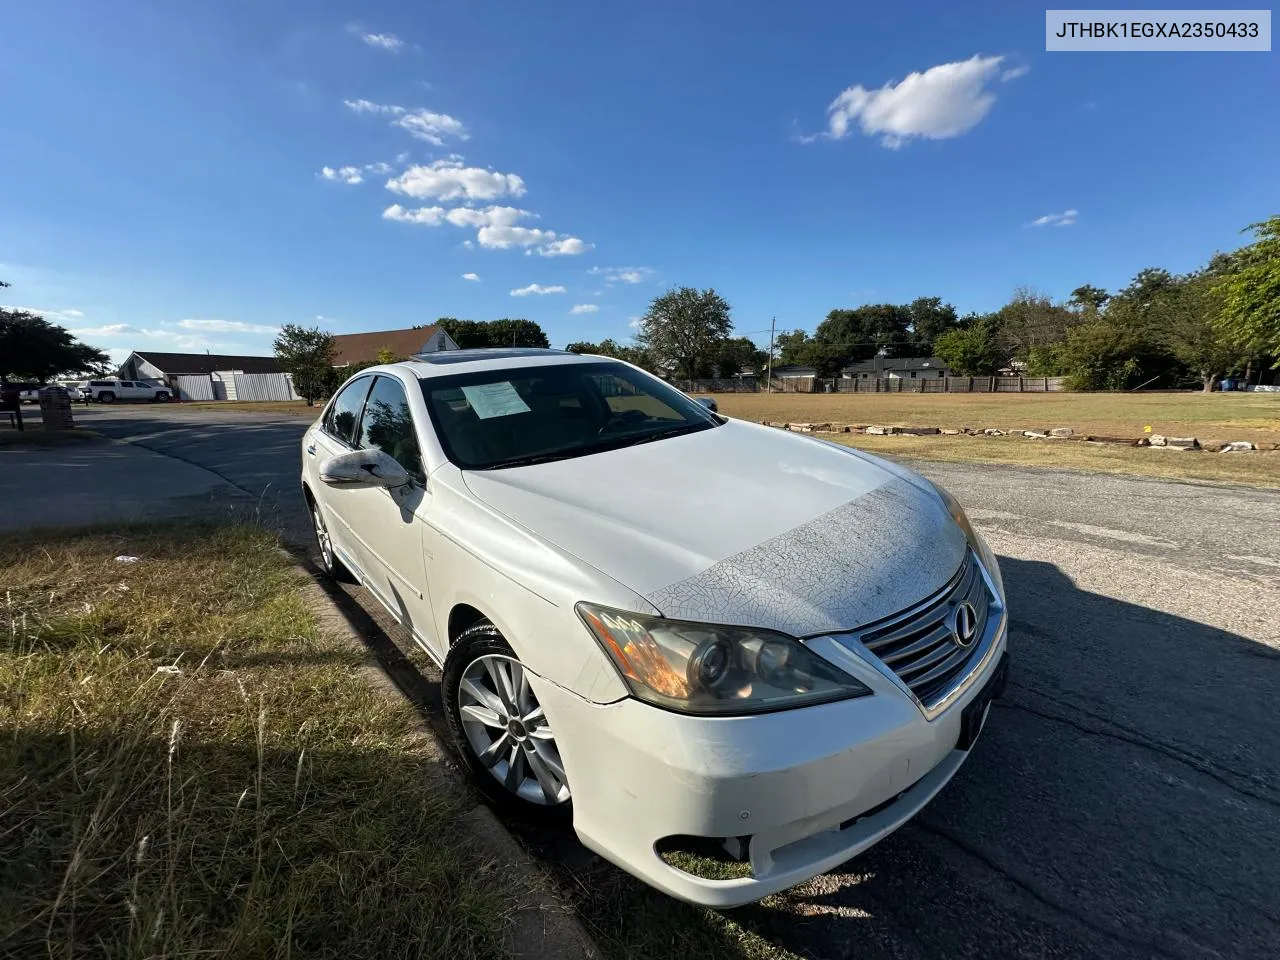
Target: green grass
{"x": 190, "y": 767}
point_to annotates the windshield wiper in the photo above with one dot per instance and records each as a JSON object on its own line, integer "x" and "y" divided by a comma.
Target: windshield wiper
{"x": 664, "y": 434}
{"x": 534, "y": 458}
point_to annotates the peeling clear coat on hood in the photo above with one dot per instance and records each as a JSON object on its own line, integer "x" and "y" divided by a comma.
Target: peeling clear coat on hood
{"x": 743, "y": 525}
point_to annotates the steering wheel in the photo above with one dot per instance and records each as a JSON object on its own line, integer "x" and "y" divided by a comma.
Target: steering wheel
{"x": 624, "y": 418}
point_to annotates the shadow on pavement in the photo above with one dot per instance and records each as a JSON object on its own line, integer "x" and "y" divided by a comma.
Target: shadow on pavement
{"x": 1121, "y": 802}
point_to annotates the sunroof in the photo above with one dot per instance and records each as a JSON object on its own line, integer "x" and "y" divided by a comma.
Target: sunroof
{"x": 486, "y": 353}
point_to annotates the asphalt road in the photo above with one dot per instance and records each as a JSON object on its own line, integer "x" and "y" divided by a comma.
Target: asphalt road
{"x": 1124, "y": 800}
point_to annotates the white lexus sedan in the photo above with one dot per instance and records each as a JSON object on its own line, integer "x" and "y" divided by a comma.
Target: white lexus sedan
{"x": 733, "y": 657}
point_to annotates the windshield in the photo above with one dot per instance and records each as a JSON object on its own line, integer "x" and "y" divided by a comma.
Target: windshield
{"x": 525, "y": 415}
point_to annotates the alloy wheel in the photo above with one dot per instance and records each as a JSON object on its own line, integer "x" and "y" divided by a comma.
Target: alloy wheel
{"x": 322, "y": 539}
{"x": 508, "y": 731}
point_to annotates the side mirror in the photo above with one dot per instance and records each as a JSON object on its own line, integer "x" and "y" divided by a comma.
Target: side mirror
{"x": 709, "y": 403}
{"x": 363, "y": 468}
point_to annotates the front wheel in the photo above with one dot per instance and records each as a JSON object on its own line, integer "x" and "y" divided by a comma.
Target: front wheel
{"x": 499, "y": 727}
{"x": 328, "y": 558}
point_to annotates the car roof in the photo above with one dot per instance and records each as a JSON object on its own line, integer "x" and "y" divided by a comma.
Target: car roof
{"x": 448, "y": 362}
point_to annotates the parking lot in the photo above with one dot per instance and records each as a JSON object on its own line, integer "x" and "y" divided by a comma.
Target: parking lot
{"x": 1124, "y": 799}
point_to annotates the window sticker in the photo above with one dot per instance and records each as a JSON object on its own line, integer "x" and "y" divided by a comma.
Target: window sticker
{"x": 490, "y": 400}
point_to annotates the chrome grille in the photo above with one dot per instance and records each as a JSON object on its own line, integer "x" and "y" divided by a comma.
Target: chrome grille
{"x": 920, "y": 645}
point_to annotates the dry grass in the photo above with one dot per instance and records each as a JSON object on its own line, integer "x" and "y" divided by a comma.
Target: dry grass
{"x": 296, "y": 407}
{"x": 1211, "y": 418}
{"x": 1214, "y": 417}
{"x": 1255, "y": 469}
{"x": 189, "y": 767}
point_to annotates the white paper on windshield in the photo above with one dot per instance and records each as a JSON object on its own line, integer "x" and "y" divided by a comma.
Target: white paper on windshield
{"x": 490, "y": 400}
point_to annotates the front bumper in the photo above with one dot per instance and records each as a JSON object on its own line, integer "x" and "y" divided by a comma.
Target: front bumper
{"x": 811, "y": 787}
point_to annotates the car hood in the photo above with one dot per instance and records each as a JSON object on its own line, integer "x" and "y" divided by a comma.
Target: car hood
{"x": 742, "y": 524}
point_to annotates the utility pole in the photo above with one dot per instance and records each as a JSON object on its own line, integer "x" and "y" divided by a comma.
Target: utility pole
{"x": 768, "y": 380}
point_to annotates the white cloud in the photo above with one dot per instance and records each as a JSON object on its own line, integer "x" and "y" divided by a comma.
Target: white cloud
{"x": 538, "y": 289}
{"x": 451, "y": 180}
{"x": 431, "y": 216}
{"x": 106, "y": 330}
{"x": 634, "y": 322}
{"x": 622, "y": 274}
{"x": 60, "y": 317}
{"x": 496, "y": 228}
{"x": 585, "y": 308}
{"x": 488, "y": 217}
{"x": 421, "y": 123}
{"x": 136, "y": 337}
{"x": 1067, "y": 218}
{"x": 1013, "y": 73}
{"x": 471, "y": 276}
{"x": 354, "y": 175}
{"x": 368, "y": 106}
{"x": 942, "y": 102}
{"x": 386, "y": 41}
{"x": 227, "y": 326}
{"x": 564, "y": 247}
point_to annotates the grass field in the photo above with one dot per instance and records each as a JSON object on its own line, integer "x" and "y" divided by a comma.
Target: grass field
{"x": 295, "y": 407}
{"x": 1210, "y": 418}
{"x": 1215, "y": 416}
{"x": 190, "y": 767}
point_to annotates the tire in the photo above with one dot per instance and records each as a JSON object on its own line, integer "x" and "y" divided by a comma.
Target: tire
{"x": 161, "y": 397}
{"x": 106, "y": 396}
{"x": 492, "y": 713}
{"x": 329, "y": 562}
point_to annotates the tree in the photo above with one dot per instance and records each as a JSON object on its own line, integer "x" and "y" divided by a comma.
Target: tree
{"x": 740, "y": 355}
{"x": 387, "y": 355}
{"x": 1029, "y": 320}
{"x": 307, "y": 354}
{"x": 1089, "y": 299}
{"x": 683, "y": 331}
{"x": 972, "y": 350}
{"x": 469, "y": 334}
{"x": 789, "y": 347}
{"x": 1102, "y": 355}
{"x": 32, "y": 348}
{"x": 930, "y": 319}
{"x": 628, "y": 353}
{"x": 1250, "y": 291}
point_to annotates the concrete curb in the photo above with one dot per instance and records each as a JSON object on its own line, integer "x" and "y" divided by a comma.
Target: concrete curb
{"x": 541, "y": 926}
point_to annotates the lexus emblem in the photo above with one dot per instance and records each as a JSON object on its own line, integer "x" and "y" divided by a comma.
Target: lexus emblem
{"x": 964, "y": 625}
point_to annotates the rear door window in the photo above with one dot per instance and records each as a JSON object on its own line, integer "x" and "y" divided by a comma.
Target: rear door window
{"x": 344, "y": 413}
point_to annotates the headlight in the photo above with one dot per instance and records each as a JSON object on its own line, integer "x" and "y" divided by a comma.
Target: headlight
{"x": 714, "y": 670}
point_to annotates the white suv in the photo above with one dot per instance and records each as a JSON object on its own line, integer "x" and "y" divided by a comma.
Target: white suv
{"x": 109, "y": 391}
{"x": 735, "y": 657}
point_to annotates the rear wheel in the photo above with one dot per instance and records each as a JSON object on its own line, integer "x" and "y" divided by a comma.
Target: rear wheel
{"x": 499, "y": 727}
{"x": 106, "y": 396}
{"x": 161, "y": 397}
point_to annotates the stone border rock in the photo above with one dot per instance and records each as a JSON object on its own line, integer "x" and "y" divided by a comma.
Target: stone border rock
{"x": 1154, "y": 441}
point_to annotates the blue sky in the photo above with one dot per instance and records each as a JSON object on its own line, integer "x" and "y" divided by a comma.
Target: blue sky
{"x": 175, "y": 176}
